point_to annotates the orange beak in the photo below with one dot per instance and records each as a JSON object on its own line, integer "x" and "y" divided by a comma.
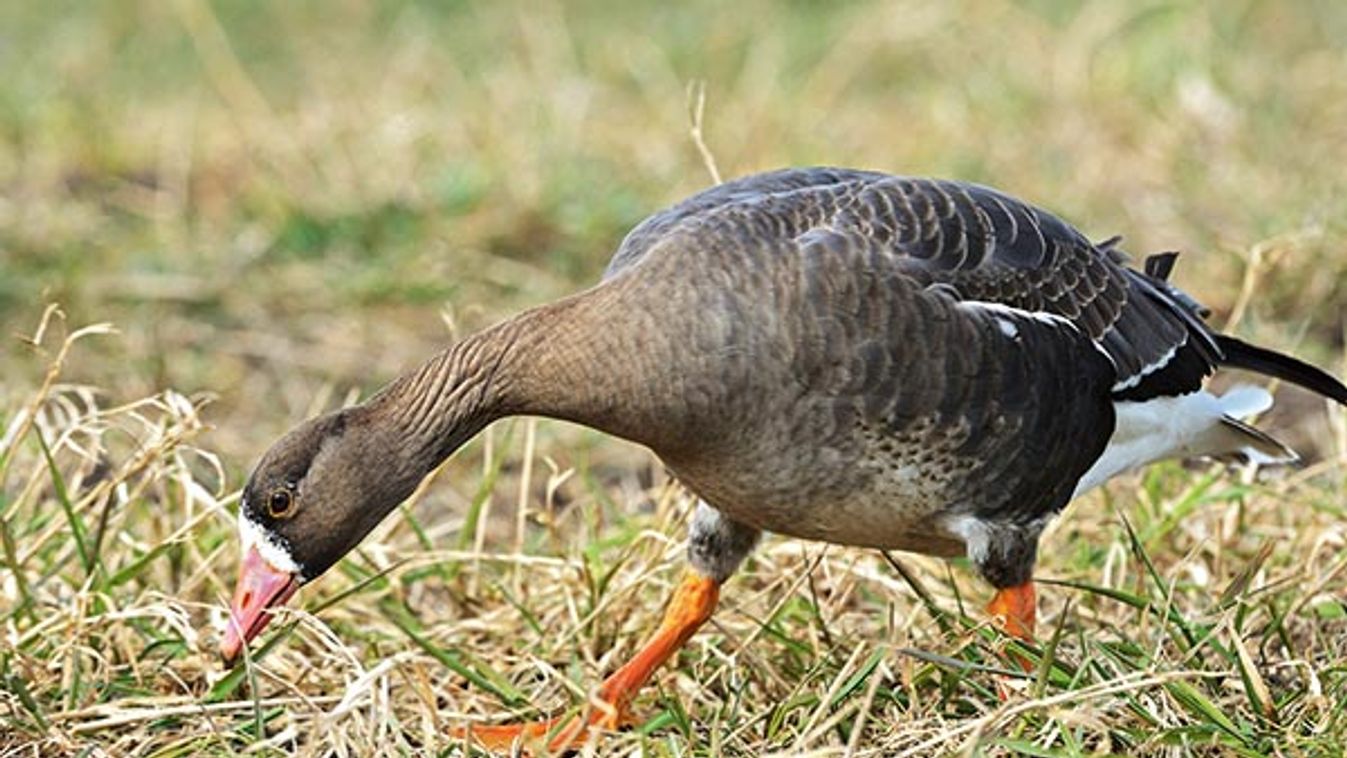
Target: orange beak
{"x": 260, "y": 587}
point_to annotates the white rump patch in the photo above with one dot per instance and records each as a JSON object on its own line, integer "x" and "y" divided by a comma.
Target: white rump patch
{"x": 1187, "y": 426}
{"x": 251, "y": 534}
{"x": 1244, "y": 401}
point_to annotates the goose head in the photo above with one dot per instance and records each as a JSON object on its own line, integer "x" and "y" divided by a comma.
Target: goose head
{"x": 315, "y": 493}
{"x": 324, "y": 485}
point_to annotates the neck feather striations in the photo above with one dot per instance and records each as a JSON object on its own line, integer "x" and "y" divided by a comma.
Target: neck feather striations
{"x": 594, "y": 359}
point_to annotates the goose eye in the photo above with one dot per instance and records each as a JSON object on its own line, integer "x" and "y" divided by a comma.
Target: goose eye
{"x": 280, "y": 503}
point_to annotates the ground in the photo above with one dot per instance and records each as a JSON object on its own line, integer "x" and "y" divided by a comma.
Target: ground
{"x": 278, "y": 207}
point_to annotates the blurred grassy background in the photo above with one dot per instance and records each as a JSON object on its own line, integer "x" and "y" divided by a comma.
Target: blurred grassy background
{"x": 282, "y": 205}
{"x": 270, "y": 196}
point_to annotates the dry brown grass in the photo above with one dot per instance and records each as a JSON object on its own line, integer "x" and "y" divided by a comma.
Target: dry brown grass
{"x": 273, "y": 205}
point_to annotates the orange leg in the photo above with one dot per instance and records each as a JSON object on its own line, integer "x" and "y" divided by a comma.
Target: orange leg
{"x": 1015, "y": 609}
{"x": 693, "y": 602}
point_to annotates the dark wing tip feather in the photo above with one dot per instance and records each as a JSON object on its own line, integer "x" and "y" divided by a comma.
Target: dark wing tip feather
{"x": 1158, "y": 267}
{"x": 1161, "y": 265}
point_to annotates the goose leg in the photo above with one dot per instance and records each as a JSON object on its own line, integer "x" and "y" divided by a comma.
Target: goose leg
{"x": 693, "y": 603}
{"x": 716, "y": 546}
{"x": 1004, "y": 554}
{"x": 1015, "y": 609}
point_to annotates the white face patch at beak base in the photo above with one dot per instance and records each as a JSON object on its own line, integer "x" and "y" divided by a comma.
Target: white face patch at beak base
{"x": 251, "y": 534}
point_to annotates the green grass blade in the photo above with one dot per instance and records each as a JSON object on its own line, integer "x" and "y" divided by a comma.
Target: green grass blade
{"x": 137, "y": 566}
{"x": 422, "y": 538}
{"x": 938, "y": 614}
{"x": 484, "y": 490}
{"x": 16, "y": 684}
{"x": 1255, "y": 686}
{"x": 20, "y": 578}
{"x": 1192, "y": 699}
{"x": 492, "y": 682}
{"x": 857, "y": 679}
{"x": 1240, "y": 583}
{"x": 77, "y": 528}
{"x": 229, "y": 683}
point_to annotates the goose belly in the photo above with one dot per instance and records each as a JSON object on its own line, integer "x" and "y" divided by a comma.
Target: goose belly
{"x": 897, "y": 507}
{"x": 891, "y": 502}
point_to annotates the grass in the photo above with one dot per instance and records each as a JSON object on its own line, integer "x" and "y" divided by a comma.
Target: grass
{"x": 281, "y": 205}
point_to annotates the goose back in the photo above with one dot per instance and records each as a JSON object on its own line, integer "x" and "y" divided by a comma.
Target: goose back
{"x": 849, "y": 381}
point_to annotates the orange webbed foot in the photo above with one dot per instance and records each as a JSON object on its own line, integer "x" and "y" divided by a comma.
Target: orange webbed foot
{"x": 692, "y": 604}
{"x": 543, "y": 737}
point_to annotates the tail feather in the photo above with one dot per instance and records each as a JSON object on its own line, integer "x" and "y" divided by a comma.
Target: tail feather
{"x": 1241, "y": 354}
{"x": 1195, "y": 425}
{"x": 1231, "y": 439}
{"x": 1234, "y": 439}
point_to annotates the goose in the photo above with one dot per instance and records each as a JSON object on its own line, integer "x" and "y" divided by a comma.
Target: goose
{"x": 836, "y": 355}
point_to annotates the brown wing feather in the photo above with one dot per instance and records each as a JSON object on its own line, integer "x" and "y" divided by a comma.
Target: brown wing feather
{"x": 974, "y": 242}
